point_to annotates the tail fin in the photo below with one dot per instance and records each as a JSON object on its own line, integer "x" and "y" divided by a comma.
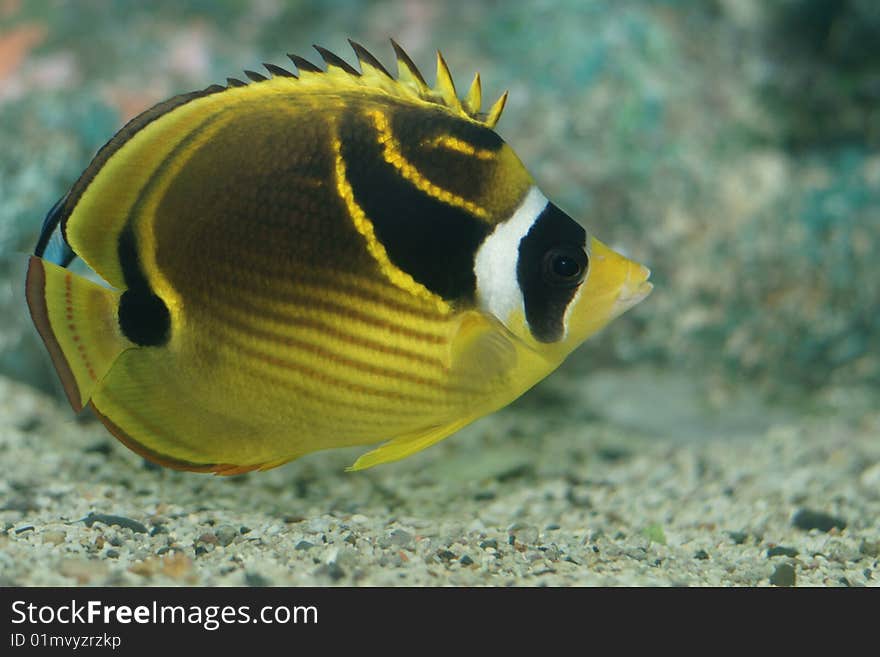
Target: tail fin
{"x": 77, "y": 320}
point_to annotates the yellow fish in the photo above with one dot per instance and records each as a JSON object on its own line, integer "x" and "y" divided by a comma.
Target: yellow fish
{"x": 313, "y": 260}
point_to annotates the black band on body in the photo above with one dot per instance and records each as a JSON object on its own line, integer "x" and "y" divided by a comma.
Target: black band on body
{"x": 143, "y": 315}
{"x": 432, "y": 241}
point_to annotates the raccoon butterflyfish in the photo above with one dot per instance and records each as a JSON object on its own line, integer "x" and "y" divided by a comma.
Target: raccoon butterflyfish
{"x": 318, "y": 259}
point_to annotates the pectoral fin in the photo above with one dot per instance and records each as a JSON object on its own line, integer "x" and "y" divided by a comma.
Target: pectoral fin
{"x": 482, "y": 348}
{"x": 481, "y": 356}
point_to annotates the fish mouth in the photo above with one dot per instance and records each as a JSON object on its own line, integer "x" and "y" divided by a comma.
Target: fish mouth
{"x": 635, "y": 288}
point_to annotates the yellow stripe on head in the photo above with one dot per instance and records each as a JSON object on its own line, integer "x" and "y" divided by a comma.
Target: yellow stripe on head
{"x": 365, "y": 227}
{"x": 460, "y": 146}
{"x": 393, "y": 156}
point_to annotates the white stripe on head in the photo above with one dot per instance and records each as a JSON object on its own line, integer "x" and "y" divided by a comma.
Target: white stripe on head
{"x": 498, "y": 290}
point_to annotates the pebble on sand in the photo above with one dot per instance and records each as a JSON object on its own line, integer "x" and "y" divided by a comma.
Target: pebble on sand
{"x": 808, "y": 519}
{"x": 738, "y": 537}
{"x": 55, "y": 537}
{"x": 119, "y": 521}
{"x": 255, "y": 579}
{"x": 784, "y": 575}
{"x": 400, "y": 537}
{"x": 523, "y": 533}
{"x": 225, "y": 534}
{"x": 781, "y": 551}
{"x": 332, "y": 570}
{"x": 174, "y": 564}
{"x": 446, "y": 555}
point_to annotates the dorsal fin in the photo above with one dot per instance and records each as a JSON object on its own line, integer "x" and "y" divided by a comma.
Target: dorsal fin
{"x": 335, "y": 61}
{"x": 495, "y": 113}
{"x": 408, "y": 72}
{"x": 256, "y": 77}
{"x": 303, "y": 65}
{"x": 367, "y": 61}
{"x": 277, "y": 71}
{"x": 474, "y": 100}
{"x": 409, "y": 84}
{"x": 445, "y": 86}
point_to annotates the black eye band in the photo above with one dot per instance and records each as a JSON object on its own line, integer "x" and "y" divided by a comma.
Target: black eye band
{"x": 552, "y": 263}
{"x": 565, "y": 266}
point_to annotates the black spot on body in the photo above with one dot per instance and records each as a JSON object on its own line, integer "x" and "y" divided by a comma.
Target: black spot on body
{"x": 143, "y": 316}
{"x": 546, "y": 302}
{"x": 432, "y": 241}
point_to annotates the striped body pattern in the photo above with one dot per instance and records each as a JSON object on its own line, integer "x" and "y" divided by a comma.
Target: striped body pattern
{"x": 310, "y": 261}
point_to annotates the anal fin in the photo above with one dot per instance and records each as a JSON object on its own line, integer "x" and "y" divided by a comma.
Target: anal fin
{"x": 408, "y": 444}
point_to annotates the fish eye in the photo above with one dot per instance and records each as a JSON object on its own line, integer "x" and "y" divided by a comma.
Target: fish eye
{"x": 565, "y": 266}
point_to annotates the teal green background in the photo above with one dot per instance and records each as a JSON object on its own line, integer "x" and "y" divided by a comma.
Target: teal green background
{"x": 733, "y": 146}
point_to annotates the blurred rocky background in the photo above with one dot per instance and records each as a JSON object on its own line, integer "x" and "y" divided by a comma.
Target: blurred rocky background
{"x": 732, "y": 145}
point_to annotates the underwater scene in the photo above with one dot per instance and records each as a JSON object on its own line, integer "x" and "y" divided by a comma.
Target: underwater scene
{"x": 276, "y": 314}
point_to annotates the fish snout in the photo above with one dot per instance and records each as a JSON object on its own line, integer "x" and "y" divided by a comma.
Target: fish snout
{"x": 635, "y": 288}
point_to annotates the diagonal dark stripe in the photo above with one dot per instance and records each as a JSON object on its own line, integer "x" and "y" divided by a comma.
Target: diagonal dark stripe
{"x": 433, "y": 242}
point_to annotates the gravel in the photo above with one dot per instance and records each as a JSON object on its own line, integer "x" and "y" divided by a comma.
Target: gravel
{"x": 782, "y": 551}
{"x": 763, "y": 505}
{"x": 225, "y": 534}
{"x": 119, "y": 521}
{"x": 809, "y": 519}
{"x": 784, "y": 575}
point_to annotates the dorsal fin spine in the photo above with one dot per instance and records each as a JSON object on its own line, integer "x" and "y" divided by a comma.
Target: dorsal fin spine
{"x": 367, "y": 60}
{"x": 303, "y": 65}
{"x": 495, "y": 112}
{"x": 474, "y": 100}
{"x": 407, "y": 72}
{"x": 277, "y": 71}
{"x": 445, "y": 86}
{"x": 334, "y": 60}
{"x": 256, "y": 77}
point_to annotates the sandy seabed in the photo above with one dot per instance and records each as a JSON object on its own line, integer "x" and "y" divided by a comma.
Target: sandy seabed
{"x": 549, "y": 492}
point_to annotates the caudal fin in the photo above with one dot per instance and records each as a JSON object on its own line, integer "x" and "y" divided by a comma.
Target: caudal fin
{"x": 77, "y": 320}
